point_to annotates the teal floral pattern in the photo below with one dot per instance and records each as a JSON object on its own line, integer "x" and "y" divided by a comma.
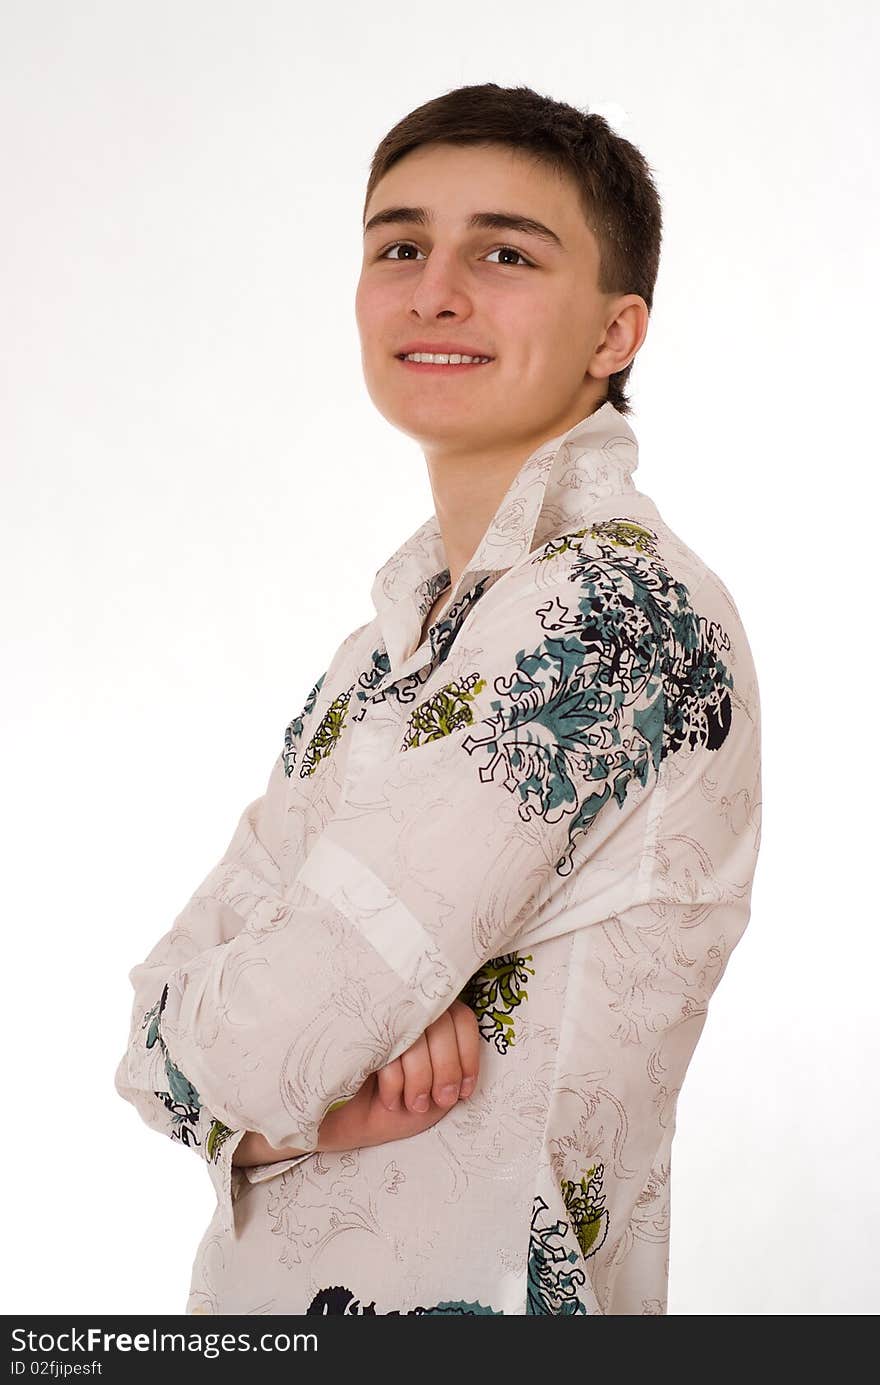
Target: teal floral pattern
{"x": 181, "y": 1098}
{"x": 294, "y": 730}
{"x": 340, "y": 1300}
{"x": 628, "y": 654}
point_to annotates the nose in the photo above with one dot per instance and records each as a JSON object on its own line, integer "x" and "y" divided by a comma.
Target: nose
{"x": 440, "y": 288}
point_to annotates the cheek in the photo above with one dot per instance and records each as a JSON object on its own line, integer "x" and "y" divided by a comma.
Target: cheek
{"x": 543, "y": 361}
{"x": 540, "y": 351}
{"x": 533, "y": 328}
{"x": 362, "y": 305}
{"x": 378, "y": 319}
{"x": 370, "y": 305}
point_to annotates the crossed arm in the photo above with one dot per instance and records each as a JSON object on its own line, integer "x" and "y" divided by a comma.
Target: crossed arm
{"x": 403, "y": 1098}
{"x": 263, "y": 1018}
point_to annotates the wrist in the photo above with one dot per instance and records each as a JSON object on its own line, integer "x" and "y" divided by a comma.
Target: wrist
{"x": 254, "y": 1148}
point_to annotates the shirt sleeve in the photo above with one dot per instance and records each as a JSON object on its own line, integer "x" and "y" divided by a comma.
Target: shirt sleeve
{"x": 432, "y": 861}
{"x": 174, "y": 1108}
{"x": 245, "y": 881}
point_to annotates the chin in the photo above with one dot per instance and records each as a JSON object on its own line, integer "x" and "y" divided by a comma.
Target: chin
{"x": 441, "y": 420}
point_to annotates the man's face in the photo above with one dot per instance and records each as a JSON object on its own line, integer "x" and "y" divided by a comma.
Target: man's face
{"x": 514, "y": 294}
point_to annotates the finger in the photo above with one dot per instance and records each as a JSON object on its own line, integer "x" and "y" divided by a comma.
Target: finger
{"x": 390, "y": 1083}
{"x": 417, "y": 1075}
{"x": 383, "y": 1125}
{"x": 467, "y": 1032}
{"x": 445, "y": 1060}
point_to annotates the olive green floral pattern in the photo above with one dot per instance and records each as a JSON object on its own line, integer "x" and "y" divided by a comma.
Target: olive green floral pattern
{"x": 584, "y": 1202}
{"x": 618, "y": 533}
{"x": 327, "y": 735}
{"x": 444, "y": 712}
{"x": 494, "y": 992}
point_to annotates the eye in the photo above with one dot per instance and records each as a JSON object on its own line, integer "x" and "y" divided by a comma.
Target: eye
{"x": 398, "y": 244}
{"x": 408, "y": 245}
{"x": 513, "y": 250}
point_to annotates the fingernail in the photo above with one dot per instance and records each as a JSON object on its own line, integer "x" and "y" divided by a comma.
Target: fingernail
{"x": 467, "y": 1086}
{"x": 421, "y": 1102}
{"x": 449, "y": 1093}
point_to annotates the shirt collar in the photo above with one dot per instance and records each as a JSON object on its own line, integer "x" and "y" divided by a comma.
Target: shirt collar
{"x": 552, "y": 491}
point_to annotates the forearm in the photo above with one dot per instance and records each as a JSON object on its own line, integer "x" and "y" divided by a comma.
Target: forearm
{"x": 254, "y": 1148}
{"x": 366, "y": 1118}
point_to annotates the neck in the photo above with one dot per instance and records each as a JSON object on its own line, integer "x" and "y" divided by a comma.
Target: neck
{"x": 468, "y": 485}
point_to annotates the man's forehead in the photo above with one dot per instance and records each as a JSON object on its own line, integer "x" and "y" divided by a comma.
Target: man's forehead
{"x": 517, "y": 194}
{"x": 498, "y": 160}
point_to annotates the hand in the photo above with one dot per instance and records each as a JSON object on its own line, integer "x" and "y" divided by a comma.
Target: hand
{"x": 447, "y": 1054}
{"x": 442, "y": 1063}
{"x": 441, "y": 1066}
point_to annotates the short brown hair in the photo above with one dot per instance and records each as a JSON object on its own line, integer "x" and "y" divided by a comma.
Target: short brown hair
{"x": 617, "y": 193}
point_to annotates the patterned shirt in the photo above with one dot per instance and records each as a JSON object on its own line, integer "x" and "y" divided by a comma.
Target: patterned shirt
{"x": 548, "y": 808}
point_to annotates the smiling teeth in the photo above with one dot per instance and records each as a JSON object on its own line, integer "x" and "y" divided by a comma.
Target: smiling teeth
{"x": 427, "y": 358}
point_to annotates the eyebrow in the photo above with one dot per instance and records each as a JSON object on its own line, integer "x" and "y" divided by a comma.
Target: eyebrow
{"x": 486, "y": 221}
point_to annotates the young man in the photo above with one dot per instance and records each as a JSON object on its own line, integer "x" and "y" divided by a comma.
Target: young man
{"x": 513, "y": 831}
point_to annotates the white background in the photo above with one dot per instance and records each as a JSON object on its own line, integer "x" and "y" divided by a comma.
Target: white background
{"x": 197, "y": 492}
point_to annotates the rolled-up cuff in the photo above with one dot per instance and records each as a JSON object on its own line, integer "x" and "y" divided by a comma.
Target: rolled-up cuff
{"x": 226, "y": 1177}
{"x": 258, "y": 1173}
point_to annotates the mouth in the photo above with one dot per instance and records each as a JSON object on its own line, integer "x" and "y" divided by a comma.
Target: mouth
{"x": 445, "y": 367}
